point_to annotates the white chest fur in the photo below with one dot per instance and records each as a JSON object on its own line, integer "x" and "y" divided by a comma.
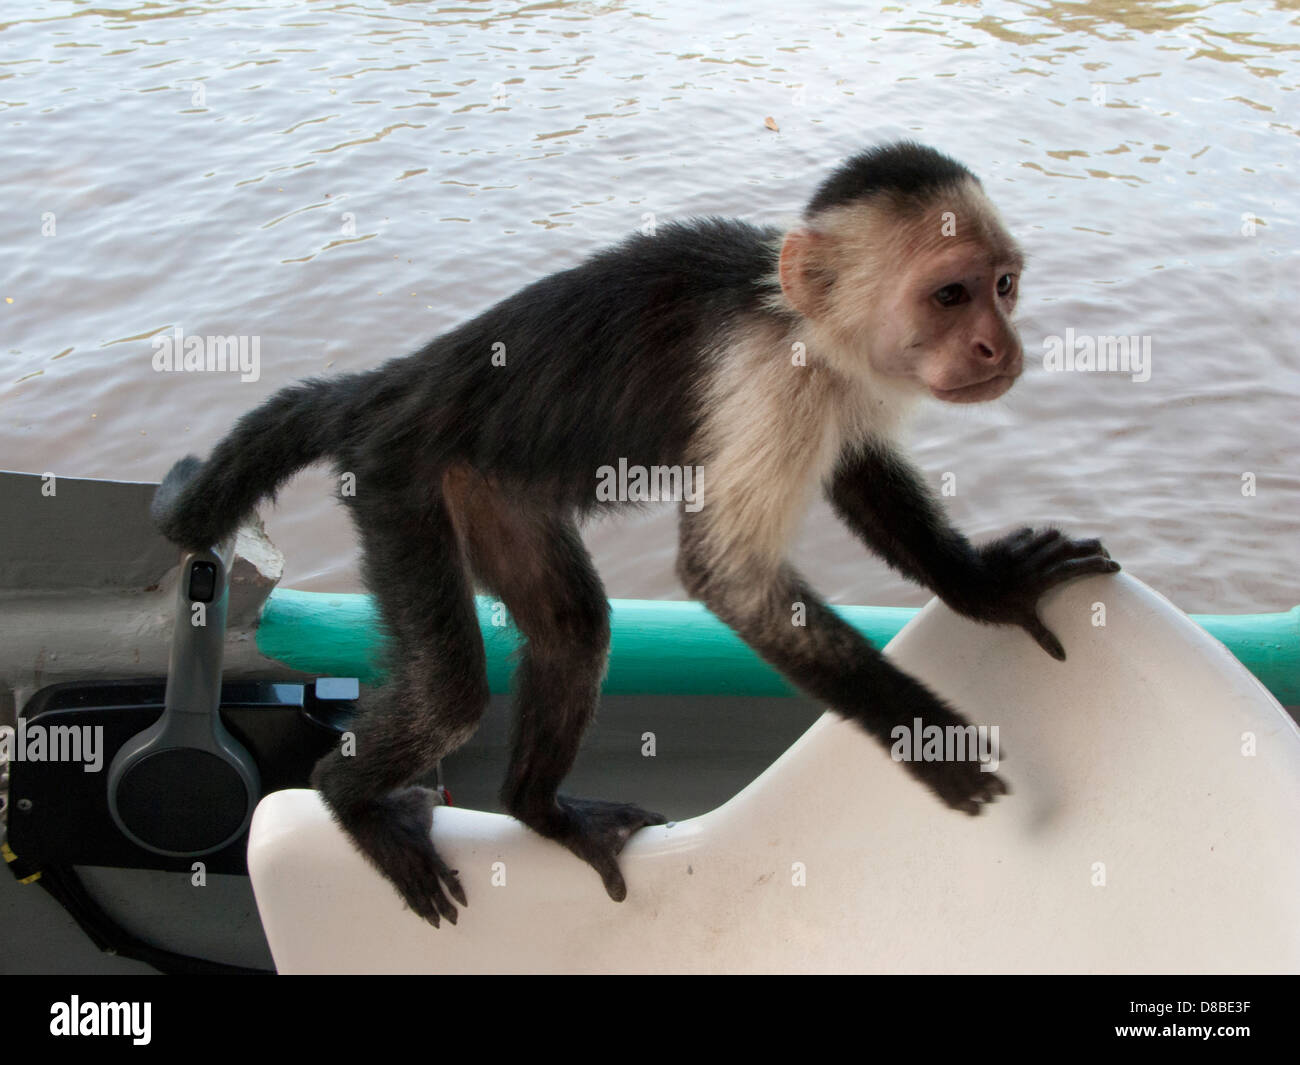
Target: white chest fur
{"x": 777, "y": 420}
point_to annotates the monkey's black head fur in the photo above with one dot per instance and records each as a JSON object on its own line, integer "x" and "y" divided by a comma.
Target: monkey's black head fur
{"x": 905, "y": 169}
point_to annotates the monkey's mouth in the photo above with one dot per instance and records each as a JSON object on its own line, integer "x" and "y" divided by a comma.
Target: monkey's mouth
{"x": 979, "y": 392}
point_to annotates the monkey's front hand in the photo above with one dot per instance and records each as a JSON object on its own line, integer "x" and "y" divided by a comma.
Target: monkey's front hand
{"x": 966, "y": 784}
{"x": 1015, "y": 571}
{"x": 597, "y": 831}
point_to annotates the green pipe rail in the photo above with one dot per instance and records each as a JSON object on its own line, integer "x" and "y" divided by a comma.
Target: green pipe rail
{"x": 673, "y": 647}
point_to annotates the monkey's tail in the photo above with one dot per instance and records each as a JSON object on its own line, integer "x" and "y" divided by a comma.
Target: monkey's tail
{"x": 200, "y": 503}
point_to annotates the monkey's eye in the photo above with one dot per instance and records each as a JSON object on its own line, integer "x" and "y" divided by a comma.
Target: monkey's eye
{"x": 951, "y": 295}
{"x": 1006, "y": 284}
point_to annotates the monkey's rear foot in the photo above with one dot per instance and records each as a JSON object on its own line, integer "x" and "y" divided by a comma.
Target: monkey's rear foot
{"x": 597, "y": 831}
{"x": 393, "y": 833}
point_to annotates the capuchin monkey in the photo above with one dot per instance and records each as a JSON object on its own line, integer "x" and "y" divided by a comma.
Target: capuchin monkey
{"x": 774, "y": 362}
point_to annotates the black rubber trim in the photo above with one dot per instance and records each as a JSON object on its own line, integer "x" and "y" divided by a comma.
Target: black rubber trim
{"x": 63, "y": 883}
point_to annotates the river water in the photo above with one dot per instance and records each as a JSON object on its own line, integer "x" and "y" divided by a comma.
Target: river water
{"x": 341, "y": 181}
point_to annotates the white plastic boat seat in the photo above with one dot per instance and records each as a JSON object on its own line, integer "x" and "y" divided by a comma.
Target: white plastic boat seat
{"x": 1152, "y": 828}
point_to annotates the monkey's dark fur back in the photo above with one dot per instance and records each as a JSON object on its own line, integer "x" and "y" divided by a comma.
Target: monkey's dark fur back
{"x": 580, "y": 333}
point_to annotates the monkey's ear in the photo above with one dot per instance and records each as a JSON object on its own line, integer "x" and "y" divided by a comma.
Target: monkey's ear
{"x": 806, "y": 277}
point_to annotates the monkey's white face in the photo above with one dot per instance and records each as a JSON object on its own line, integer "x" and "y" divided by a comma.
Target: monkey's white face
{"x": 925, "y": 298}
{"x": 945, "y": 322}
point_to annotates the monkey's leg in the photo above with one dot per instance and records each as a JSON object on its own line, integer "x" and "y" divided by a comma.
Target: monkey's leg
{"x": 828, "y": 659}
{"x": 431, "y": 704}
{"x": 557, "y": 693}
{"x": 535, "y": 561}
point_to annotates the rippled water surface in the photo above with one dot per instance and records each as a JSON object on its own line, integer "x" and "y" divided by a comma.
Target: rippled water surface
{"x": 343, "y": 181}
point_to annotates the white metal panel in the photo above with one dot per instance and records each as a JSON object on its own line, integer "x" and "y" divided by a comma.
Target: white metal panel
{"x": 1129, "y": 754}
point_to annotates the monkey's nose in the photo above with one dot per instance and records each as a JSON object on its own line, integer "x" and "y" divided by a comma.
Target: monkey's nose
{"x": 1004, "y": 356}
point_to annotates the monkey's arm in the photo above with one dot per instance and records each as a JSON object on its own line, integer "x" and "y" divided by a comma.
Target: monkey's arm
{"x": 827, "y": 658}
{"x": 882, "y": 498}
